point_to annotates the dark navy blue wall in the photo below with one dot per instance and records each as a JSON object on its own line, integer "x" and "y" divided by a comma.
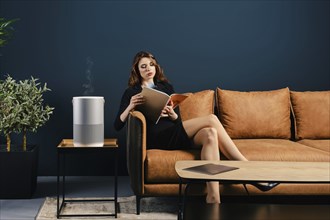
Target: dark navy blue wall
{"x": 235, "y": 45}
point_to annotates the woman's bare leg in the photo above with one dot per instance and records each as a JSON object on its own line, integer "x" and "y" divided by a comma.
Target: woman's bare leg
{"x": 208, "y": 138}
{"x": 225, "y": 143}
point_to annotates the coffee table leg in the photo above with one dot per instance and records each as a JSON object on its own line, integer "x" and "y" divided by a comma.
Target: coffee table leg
{"x": 180, "y": 201}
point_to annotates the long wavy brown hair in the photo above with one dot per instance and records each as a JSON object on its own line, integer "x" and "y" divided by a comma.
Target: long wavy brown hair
{"x": 135, "y": 77}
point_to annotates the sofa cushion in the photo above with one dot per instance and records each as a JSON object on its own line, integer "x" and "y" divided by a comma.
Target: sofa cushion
{"x": 279, "y": 150}
{"x": 312, "y": 114}
{"x": 257, "y": 114}
{"x": 318, "y": 144}
{"x": 160, "y": 164}
{"x": 197, "y": 104}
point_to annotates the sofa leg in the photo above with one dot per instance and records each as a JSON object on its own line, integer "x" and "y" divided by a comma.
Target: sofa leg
{"x": 138, "y": 199}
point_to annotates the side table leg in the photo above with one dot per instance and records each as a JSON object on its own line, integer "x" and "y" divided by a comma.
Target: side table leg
{"x": 60, "y": 172}
{"x": 58, "y": 185}
{"x": 116, "y": 182}
{"x": 63, "y": 179}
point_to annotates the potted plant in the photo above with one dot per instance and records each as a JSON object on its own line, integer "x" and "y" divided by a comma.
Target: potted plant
{"x": 5, "y": 30}
{"x": 32, "y": 112}
{"x": 22, "y": 109}
{"x": 9, "y": 109}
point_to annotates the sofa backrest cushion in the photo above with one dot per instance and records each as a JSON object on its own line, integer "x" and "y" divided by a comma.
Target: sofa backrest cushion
{"x": 257, "y": 114}
{"x": 312, "y": 114}
{"x": 197, "y": 104}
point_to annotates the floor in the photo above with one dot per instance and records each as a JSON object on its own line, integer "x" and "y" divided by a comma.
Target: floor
{"x": 94, "y": 186}
{"x": 27, "y": 209}
{"x": 256, "y": 211}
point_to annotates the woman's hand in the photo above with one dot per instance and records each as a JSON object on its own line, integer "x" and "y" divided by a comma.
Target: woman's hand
{"x": 169, "y": 111}
{"x": 136, "y": 100}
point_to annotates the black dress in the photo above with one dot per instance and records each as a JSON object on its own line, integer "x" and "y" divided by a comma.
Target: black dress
{"x": 166, "y": 134}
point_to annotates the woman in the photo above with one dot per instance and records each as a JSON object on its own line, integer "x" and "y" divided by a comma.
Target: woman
{"x": 170, "y": 131}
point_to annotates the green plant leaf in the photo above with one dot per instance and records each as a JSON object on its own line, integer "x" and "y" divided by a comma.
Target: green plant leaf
{"x": 22, "y": 106}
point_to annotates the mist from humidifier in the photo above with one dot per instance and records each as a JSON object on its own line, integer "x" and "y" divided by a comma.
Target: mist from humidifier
{"x": 88, "y": 86}
{"x": 88, "y": 114}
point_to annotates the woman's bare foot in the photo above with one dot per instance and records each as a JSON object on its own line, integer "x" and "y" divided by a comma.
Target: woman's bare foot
{"x": 212, "y": 199}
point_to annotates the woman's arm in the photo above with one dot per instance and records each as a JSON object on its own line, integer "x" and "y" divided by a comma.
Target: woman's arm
{"x": 130, "y": 99}
{"x": 173, "y": 114}
{"x": 168, "y": 110}
{"x": 134, "y": 101}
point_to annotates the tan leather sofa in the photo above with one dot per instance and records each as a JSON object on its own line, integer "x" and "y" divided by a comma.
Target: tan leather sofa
{"x": 277, "y": 125}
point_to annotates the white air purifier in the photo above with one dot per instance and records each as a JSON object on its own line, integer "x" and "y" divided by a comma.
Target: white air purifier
{"x": 88, "y": 121}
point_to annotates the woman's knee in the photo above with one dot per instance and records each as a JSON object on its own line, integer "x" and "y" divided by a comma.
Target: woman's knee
{"x": 210, "y": 135}
{"x": 205, "y": 136}
{"x": 213, "y": 120}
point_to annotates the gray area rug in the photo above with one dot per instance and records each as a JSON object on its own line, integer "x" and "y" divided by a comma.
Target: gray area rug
{"x": 151, "y": 208}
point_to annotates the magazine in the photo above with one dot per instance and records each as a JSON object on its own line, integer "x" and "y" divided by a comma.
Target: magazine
{"x": 155, "y": 101}
{"x": 211, "y": 168}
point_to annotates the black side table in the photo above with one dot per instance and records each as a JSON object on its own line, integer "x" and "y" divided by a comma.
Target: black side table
{"x": 66, "y": 147}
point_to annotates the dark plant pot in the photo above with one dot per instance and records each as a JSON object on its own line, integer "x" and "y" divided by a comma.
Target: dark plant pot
{"x": 18, "y": 173}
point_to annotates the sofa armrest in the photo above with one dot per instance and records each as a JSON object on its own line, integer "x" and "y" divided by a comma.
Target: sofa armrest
{"x": 136, "y": 150}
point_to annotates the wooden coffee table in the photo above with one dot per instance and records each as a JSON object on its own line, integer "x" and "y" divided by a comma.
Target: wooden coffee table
{"x": 252, "y": 172}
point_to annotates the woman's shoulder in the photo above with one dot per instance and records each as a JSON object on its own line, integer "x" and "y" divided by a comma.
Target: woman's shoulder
{"x": 165, "y": 86}
{"x": 130, "y": 91}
